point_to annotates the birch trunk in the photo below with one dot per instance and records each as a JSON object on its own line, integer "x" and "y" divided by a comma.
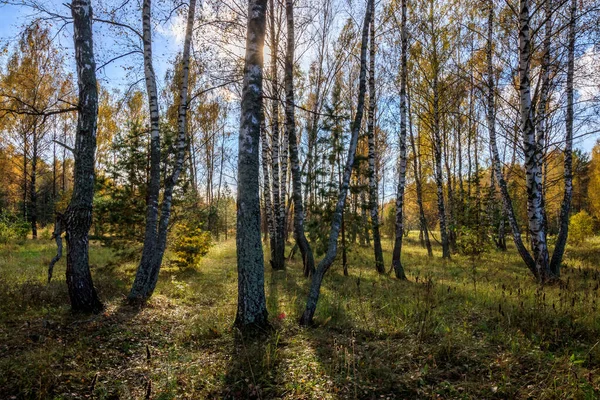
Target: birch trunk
{"x": 277, "y": 247}
{"x": 139, "y": 288}
{"x": 397, "y": 252}
{"x": 373, "y": 186}
{"x": 533, "y": 168}
{"x": 418, "y": 181}
{"x": 563, "y": 232}
{"x": 146, "y": 279}
{"x": 290, "y": 126}
{"x": 491, "y": 121}
{"x": 78, "y": 216}
{"x": 251, "y": 307}
{"x": 267, "y": 182}
{"x": 325, "y": 264}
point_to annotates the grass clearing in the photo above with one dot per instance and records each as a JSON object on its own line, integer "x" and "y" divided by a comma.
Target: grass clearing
{"x": 459, "y": 329}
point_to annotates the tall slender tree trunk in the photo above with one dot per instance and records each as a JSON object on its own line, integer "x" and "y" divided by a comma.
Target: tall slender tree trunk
{"x": 277, "y": 246}
{"x": 33, "y": 188}
{"x": 563, "y": 232}
{"x": 491, "y": 121}
{"x": 78, "y": 216}
{"x": 533, "y": 168}
{"x": 266, "y": 160}
{"x": 251, "y": 308}
{"x": 147, "y": 275}
{"x": 397, "y": 253}
{"x": 373, "y": 186}
{"x": 542, "y": 105}
{"x": 290, "y": 127}
{"x": 418, "y": 182}
{"x": 439, "y": 179}
{"x": 325, "y": 264}
{"x": 139, "y": 290}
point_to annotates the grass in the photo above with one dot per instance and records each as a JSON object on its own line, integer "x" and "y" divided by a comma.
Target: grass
{"x": 458, "y": 329}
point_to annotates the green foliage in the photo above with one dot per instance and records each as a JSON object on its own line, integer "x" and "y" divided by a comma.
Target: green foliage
{"x": 469, "y": 242}
{"x": 13, "y": 228}
{"x": 189, "y": 244}
{"x": 581, "y": 227}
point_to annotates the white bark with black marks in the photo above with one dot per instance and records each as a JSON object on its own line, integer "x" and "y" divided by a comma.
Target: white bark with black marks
{"x": 563, "y": 233}
{"x": 533, "y": 167}
{"x": 373, "y": 186}
{"x": 327, "y": 261}
{"x": 496, "y": 164}
{"x": 78, "y": 216}
{"x": 290, "y": 127}
{"x": 251, "y": 307}
{"x": 399, "y": 230}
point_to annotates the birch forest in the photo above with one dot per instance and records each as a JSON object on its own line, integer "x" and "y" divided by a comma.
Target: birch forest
{"x": 299, "y": 199}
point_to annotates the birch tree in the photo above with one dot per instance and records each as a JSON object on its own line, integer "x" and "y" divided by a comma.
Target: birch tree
{"x": 251, "y": 307}
{"x": 373, "y": 185}
{"x": 155, "y": 239}
{"x": 78, "y": 216}
{"x": 329, "y": 258}
{"x": 290, "y": 126}
{"x": 399, "y": 231}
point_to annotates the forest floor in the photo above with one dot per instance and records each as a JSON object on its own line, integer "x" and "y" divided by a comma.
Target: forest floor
{"x": 460, "y": 329}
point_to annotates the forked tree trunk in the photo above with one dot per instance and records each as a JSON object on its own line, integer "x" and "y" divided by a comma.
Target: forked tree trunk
{"x": 290, "y": 127}
{"x": 147, "y": 275}
{"x": 325, "y": 264}
{"x": 533, "y": 167}
{"x": 397, "y": 253}
{"x": 563, "y": 232}
{"x": 373, "y": 186}
{"x": 251, "y": 307}
{"x": 78, "y": 216}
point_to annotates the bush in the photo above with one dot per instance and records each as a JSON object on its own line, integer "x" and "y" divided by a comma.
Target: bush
{"x": 469, "y": 242}
{"x": 13, "y": 228}
{"x": 581, "y": 227}
{"x": 189, "y": 244}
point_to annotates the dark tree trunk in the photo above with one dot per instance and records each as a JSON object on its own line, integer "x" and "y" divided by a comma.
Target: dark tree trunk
{"x": 325, "y": 264}
{"x": 78, "y": 216}
{"x": 251, "y": 308}
{"x": 33, "y": 188}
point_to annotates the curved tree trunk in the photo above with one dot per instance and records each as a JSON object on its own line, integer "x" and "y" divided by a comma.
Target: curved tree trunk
{"x": 78, "y": 216}
{"x": 491, "y": 120}
{"x": 561, "y": 240}
{"x": 290, "y": 126}
{"x": 325, "y": 264}
{"x": 139, "y": 290}
{"x": 397, "y": 253}
{"x": 251, "y": 307}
